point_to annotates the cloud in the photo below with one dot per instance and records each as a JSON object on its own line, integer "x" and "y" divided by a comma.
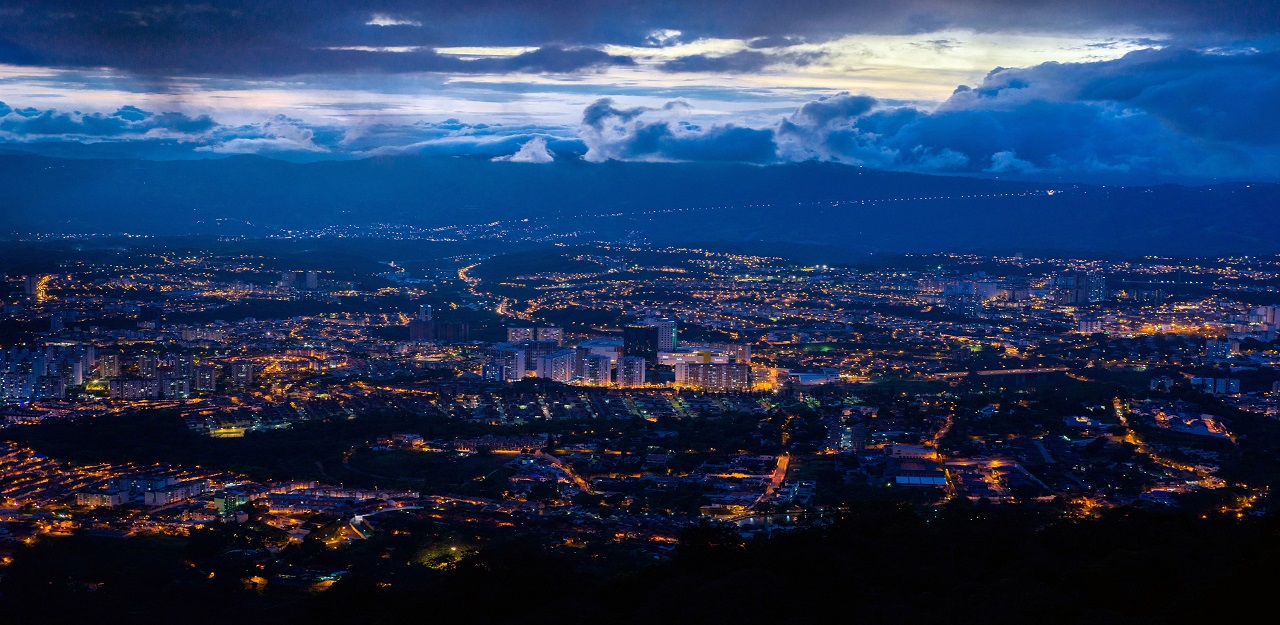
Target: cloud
{"x": 740, "y": 62}
{"x": 132, "y": 131}
{"x": 1212, "y": 96}
{"x": 280, "y": 134}
{"x": 1150, "y": 115}
{"x": 775, "y": 41}
{"x": 659, "y": 134}
{"x": 86, "y": 27}
{"x": 260, "y": 38}
{"x": 382, "y": 19}
{"x": 1163, "y": 114}
{"x": 557, "y": 60}
{"x": 290, "y": 37}
{"x": 126, "y": 122}
{"x": 1172, "y": 114}
{"x": 534, "y": 151}
{"x": 1007, "y": 161}
{"x": 663, "y": 37}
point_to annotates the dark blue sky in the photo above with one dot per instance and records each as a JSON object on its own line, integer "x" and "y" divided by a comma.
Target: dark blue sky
{"x": 1088, "y": 89}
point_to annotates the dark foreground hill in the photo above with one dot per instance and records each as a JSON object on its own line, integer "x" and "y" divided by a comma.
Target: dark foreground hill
{"x": 879, "y": 564}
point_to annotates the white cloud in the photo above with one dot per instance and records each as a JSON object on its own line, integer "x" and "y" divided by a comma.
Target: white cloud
{"x": 382, "y": 19}
{"x": 400, "y": 49}
{"x": 663, "y": 37}
{"x": 281, "y": 134}
{"x": 533, "y": 151}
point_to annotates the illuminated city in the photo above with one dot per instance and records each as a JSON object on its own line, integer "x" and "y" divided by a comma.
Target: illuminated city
{"x": 640, "y": 312}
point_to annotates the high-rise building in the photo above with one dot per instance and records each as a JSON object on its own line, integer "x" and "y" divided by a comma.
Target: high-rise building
{"x": 597, "y": 370}
{"x": 1217, "y": 386}
{"x": 206, "y": 378}
{"x": 739, "y": 353}
{"x": 56, "y": 322}
{"x": 425, "y": 328}
{"x": 535, "y": 349}
{"x": 1221, "y": 350}
{"x": 1266, "y": 314}
{"x": 714, "y": 377}
{"x": 15, "y": 385}
{"x": 39, "y": 363}
{"x": 34, "y": 287}
{"x": 185, "y": 365}
{"x": 72, "y": 371}
{"x": 242, "y": 373}
{"x": 147, "y": 364}
{"x": 551, "y": 334}
{"x": 493, "y": 372}
{"x": 517, "y": 335}
{"x": 631, "y": 371}
{"x": 451, "y": 332}
{"x": 610, "y": 348}
{"x": 1080, "y": 288}
{"x": 557, "y": 366}
{"x": 313, "y": 281}
{"x": 134, "y": 389}
{"x": 422, "y": 330}
{"x": 509, "y": 359}
{"x": 49, "y": 387}
{"x": 1090, "y": 326}
{"x": 109, "y": 365}
{"x": 667, "y": 339}
{"x": 641, "y": 341}
{"x": 1094, "y": 285}
{"x": 175, "y": 388}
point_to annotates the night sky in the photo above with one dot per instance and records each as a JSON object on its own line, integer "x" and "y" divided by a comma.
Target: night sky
{"x": 1167, "y": 90}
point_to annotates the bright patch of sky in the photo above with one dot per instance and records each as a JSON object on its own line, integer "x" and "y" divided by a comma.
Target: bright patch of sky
{"x": 922, "y": 69}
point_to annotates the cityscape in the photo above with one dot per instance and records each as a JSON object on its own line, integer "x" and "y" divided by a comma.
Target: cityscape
{"x": 401, "y": 312}
{"x": 607, "y": 397}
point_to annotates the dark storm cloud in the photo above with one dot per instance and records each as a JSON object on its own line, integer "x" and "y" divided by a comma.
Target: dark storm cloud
{"x": 1160, "y": 113}
{"x": 603, "y": 110}
{"x": 823, "y": 111}
{"x": 283, "y": 37}
{"x": 657, "y": 134}
{"x": 250, "y": 38}
{"x": 1229, "y": 97}
{"x": 556, "y": 60}
{"x": 1168, "y": 114}
{"x": 740, "y": 62}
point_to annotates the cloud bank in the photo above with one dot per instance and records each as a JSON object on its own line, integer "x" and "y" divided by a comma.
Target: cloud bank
{"x": 1150, "y": 114}
{"x": 127, "y": 122}
{"x": 1170, "y": 114}
{"x": 657, "y": 134}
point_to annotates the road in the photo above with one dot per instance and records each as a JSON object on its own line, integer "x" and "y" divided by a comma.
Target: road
{"x": 775, "y": 479}
{"x": 582, "y": 484}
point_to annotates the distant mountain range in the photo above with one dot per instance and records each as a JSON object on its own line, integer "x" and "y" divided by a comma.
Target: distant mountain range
{"x": 819, "y": 204}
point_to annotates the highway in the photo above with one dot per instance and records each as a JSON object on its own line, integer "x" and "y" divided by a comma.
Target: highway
{"x": 775, "y": 479}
